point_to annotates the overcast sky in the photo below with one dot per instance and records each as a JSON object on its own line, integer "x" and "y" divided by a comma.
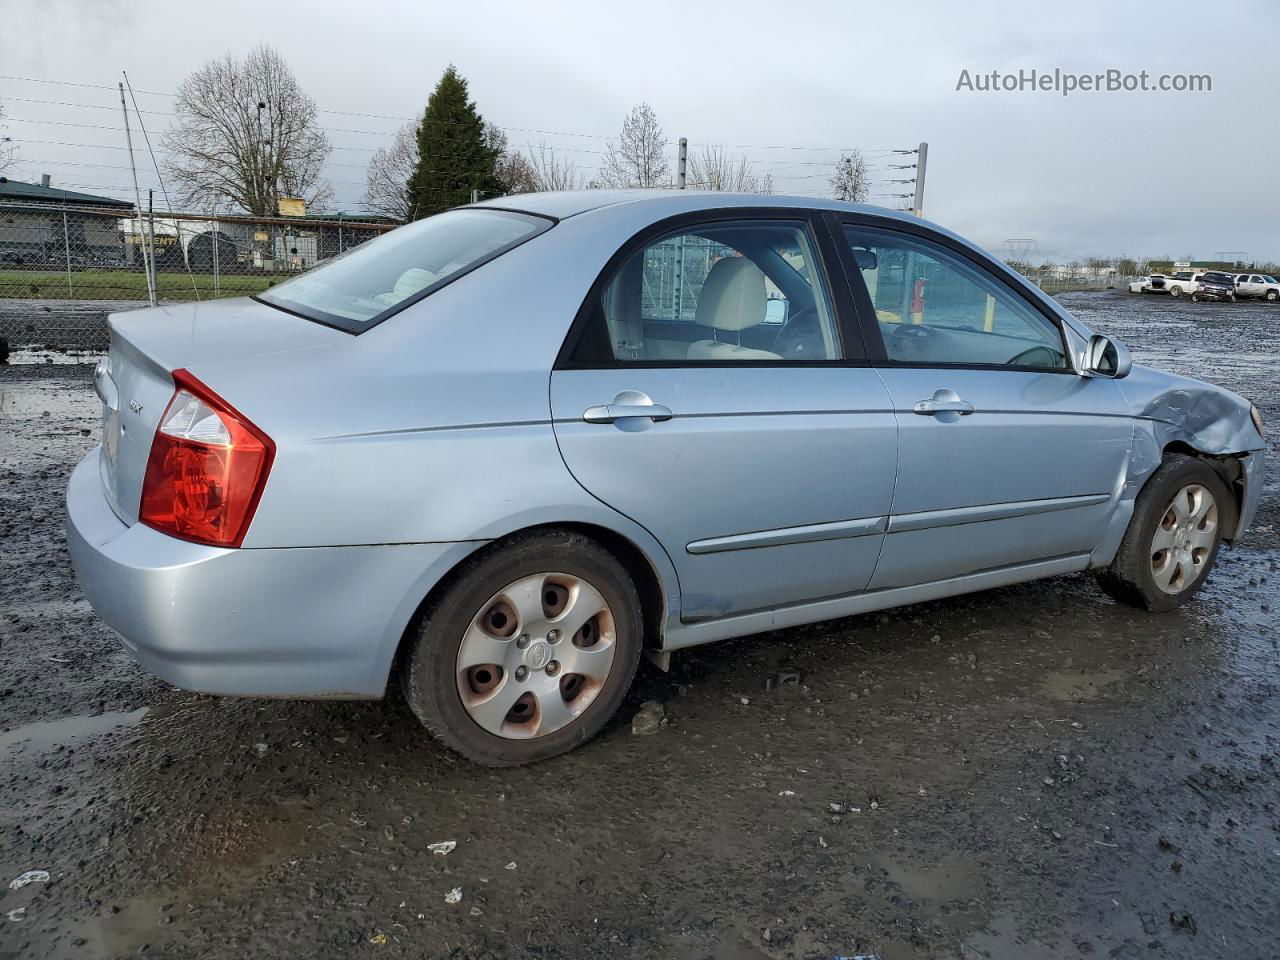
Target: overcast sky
{"x": 1101, "y": 173}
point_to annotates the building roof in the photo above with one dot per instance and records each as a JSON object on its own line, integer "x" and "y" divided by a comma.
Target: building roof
{"x": 35, "y": 193}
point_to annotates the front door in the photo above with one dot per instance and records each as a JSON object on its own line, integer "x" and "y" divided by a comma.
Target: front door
{"x": 709, "y": 393}
{"x": 1006, "y": 454}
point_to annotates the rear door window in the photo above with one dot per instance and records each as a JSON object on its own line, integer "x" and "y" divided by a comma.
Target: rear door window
{"x": 745, "y": 291}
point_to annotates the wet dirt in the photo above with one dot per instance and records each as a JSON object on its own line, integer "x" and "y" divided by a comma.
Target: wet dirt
{"x": 1028, "y": 772}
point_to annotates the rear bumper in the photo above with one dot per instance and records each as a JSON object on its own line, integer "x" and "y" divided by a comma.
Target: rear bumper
{"x": 308, "y": 622}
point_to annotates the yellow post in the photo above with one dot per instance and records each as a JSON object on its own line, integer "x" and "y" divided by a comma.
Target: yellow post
{"x": 989, "y": 320}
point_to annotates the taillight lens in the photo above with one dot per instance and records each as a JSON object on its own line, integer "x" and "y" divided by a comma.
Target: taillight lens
{"x": 207, "y": 468}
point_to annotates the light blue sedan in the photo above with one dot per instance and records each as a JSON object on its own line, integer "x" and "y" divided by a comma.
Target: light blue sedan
{"x": 508, "y": 448}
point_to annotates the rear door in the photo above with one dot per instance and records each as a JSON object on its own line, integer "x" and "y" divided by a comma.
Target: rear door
{"x": 1006, "y": 455}
{"x": 711, "y": 392}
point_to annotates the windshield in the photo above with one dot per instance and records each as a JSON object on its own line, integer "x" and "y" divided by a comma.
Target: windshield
{"x": 1219, "y": 278}
{"x": 366, "y": 284}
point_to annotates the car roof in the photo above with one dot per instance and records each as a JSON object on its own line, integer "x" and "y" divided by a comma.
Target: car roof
{"x": 571, "y": 203}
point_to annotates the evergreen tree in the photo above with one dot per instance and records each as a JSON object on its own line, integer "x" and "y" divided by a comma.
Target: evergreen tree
{"x": 454, "y": 155}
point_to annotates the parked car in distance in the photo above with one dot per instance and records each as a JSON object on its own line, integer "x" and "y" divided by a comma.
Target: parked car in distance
{"x": 1182, "y": 283}
{"x": 1261, "y": 285}
{"x": 1215, "y": 285}
{"x": 504, "y": 450}
{"x": 1149, "y": 284}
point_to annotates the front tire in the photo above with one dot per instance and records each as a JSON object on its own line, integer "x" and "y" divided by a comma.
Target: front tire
{"x": 528, "y": 651}
{"x": 1195, "y": 298}
{"x": 1272, "y": 296}
{"x": 1173, "y": 538}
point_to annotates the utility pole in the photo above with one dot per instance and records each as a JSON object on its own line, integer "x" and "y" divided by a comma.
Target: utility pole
{"x": 137, "y": 196}
{"x": 151, "y": 235}
{"x": 922, "y": 155}
{"x": 682, "y": 164}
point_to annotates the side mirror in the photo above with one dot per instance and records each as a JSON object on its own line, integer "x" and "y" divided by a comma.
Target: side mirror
{"x": 866, "y": 259}
{"x": 1107, "y": 358}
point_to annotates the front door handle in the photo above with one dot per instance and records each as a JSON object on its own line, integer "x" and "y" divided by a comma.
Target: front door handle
{"x": 943, "y": 401}
{"x": 629, "y": 403}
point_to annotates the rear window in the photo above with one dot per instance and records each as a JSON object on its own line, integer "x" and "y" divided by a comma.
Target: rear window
{"x": 366, "y": 285}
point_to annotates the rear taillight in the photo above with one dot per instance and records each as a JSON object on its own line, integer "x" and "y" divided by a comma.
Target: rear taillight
{"x": 207, "y": 468}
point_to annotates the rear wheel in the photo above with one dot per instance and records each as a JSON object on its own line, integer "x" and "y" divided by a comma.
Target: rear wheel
{"x": 1173, "y": 538}
{"x": 1175, "y": 292}
{"x": 528, "y": 652}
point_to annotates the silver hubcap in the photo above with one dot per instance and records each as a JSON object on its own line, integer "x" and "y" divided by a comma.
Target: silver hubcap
{"x": 1184, "y": 539}
{"x": 536, "y": 655}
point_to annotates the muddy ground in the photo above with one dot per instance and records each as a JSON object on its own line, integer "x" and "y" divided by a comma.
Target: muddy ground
{"x": 1029, "y": 772}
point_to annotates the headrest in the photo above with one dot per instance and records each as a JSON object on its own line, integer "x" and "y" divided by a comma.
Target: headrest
{"x": 733, "y": 296}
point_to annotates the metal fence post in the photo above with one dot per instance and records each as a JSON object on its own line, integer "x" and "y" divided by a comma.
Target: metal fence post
{"x": 66, "y": 249}
{"x": 216, "y": 288}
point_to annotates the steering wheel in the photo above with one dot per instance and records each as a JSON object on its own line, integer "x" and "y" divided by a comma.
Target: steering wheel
{"x": 910, "y": 341}
{"x": 1039, "y": 356}
{"x": 801, "y": 337}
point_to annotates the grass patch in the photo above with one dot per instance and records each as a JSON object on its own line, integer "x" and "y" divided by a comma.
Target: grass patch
{"x": 127, "y": 285}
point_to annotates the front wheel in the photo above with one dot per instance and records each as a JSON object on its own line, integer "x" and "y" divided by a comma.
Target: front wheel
{"x": 1272, "y": 296}
{"x": 1195, "y": 298}
{"x": 528, "y": 652}
{"x": 1173, "y": 539}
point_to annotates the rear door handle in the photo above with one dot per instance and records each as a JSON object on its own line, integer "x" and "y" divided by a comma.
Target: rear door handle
{"x": 943, "y": 401}
{"x": 628, "y": 403}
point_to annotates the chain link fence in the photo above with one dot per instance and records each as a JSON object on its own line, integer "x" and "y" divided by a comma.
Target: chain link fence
{"x": 63, "y": 268}
{"x": 1059, "y": 280}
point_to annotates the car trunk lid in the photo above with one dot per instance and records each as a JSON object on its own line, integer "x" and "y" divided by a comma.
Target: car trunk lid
{"x": 135, "y": 381}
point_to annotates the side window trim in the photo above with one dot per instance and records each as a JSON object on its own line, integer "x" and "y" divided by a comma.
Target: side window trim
{"x": 867, "y": 320}
{"x": 844, "y": 320}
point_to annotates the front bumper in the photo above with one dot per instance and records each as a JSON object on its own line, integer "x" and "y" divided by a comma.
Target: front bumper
{"x": 1253, "y": 466}
{"x": 306, "y": 622}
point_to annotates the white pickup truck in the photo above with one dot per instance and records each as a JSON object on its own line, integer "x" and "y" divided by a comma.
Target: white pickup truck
{"x": 1182, "y": 282}
{"x": 1259, "y": 285}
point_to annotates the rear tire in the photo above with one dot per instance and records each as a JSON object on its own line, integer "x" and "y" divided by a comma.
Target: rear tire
{"x": 488, "y": 667}
{"x": 1174, "y": 536}
{"x": 1175, "y": 292}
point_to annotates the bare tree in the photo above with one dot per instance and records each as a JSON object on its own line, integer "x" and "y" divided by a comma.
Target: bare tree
{"x": 513, "y": 169}
{"x": 386, "y": 181}
{"x": 638, "y": 159}
{"x": 553, "y": 173}
{"x": 7, "y": 149}
{"x": 246, "y": 131}
{"x": 850, "y": 180}
{"x": 714, "y": 168}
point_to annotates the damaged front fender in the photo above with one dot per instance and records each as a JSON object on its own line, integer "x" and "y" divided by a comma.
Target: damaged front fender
{"x": 1178, "y": 412}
